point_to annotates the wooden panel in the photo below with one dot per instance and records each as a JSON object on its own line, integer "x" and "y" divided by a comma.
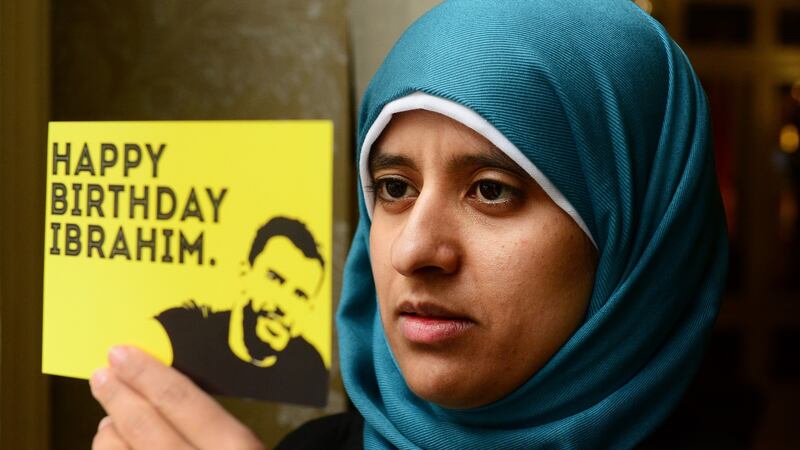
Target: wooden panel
{"x": 24, "y": 82}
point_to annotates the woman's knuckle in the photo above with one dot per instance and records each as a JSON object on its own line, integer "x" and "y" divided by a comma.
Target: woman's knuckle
{"x": 105, "y": 439}
{"x": 97, "y": 441}
{"x": 139, "y": 427}
{"x": 173, "y": 393}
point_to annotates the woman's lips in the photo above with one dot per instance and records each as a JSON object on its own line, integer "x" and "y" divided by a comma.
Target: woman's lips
{"x": 426, "y": 323}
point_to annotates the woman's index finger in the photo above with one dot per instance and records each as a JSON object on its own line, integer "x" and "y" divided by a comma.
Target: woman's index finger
{"x": 191, "y": 411}
{"x": 138, "y": 422}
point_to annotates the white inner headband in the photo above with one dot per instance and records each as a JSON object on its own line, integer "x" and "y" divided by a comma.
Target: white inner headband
{"x": 471, "y": 119}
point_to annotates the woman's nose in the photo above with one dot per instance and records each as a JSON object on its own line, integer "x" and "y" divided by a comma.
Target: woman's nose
{"x": 428, "y": 242}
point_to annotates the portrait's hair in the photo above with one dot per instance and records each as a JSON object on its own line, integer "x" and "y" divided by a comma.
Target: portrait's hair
{"x": 295, "y": 230}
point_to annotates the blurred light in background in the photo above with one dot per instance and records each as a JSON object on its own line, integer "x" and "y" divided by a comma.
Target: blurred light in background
{"x": 645, "y": 5}
{"x": 790, "y": 139}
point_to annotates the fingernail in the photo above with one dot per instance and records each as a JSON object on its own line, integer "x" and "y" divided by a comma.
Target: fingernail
{"x": 118, "y": 355}
{"x": 99, "y": 378}
{"x": 104, "y": 422}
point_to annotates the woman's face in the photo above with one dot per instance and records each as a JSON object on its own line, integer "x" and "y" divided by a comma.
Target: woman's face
{"x": 480, "y": 276}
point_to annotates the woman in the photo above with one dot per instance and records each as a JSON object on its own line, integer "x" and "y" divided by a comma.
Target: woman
{"x": 541, "y": 229}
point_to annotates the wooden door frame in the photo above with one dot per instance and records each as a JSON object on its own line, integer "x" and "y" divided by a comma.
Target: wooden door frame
{"x": 24, "y": 112}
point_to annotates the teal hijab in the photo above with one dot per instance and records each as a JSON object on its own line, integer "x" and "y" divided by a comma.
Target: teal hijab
{"x": 598, "y": 97}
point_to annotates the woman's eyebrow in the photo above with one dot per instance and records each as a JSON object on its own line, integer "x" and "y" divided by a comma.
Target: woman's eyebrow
{"x": 380, "y": 160}
{"x": 493, "y": 157}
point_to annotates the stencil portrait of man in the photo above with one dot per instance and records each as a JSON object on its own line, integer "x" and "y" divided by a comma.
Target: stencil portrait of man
{"x": 257, "y": 349}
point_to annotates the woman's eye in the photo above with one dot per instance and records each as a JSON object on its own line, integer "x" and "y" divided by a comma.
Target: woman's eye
{"x": 395, "y": 188}
{"x": 392, "y": 189}
{"x": 490, "y": 191}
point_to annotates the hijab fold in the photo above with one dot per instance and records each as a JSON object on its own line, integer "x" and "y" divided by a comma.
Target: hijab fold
{"x": 605, "y": 105}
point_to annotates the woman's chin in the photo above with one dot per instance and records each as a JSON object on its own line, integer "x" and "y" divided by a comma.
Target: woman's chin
{"x": 448, "y": 398}
{"x": 449, "y": 387}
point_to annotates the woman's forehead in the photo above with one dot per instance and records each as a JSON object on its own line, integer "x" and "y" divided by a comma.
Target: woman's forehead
{"x": 400, "y": 145}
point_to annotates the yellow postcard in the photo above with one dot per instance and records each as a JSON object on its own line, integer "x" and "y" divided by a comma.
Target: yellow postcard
{"x": 208, "y": 244}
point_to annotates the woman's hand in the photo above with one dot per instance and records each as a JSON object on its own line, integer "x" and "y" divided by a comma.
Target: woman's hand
{"x": 153, "y": 406}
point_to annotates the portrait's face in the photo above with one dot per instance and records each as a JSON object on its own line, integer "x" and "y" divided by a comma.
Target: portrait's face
{"x": 480, "y": 276}
{"x": 278, "y": 292}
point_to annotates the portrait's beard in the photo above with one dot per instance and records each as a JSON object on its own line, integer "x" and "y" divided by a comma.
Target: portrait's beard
{"x": 257, "y": 348}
